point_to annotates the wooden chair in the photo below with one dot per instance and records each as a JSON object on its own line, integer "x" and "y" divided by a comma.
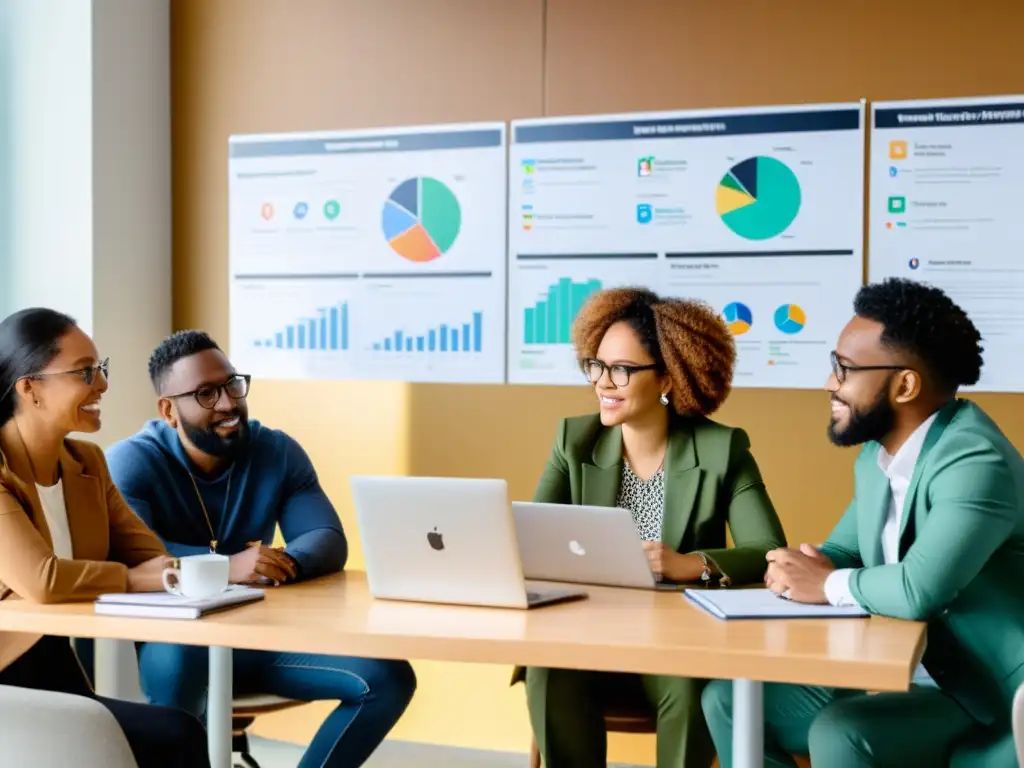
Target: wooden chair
{"x": 615, "y": 721}
{"x": 244, "y": 710}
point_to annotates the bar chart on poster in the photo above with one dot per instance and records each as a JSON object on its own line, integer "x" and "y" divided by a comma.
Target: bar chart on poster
{"x": 757, "y": 212}
{"x": 551, "y": 289}
{"x": 376, "y": 254}
{"x": 946, "y": 180}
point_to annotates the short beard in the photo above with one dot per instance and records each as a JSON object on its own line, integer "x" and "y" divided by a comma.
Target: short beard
{"x": 865, "y": 426}
{"x": 209, "y": 442}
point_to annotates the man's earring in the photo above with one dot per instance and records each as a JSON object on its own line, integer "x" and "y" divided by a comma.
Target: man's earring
{"x": 663, "y": 399}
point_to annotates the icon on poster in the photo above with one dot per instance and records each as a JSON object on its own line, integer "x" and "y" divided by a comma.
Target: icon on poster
{"x": 897, "y": 150}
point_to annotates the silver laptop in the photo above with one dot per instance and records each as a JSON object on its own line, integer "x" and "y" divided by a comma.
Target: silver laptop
{"x": 582, "y": 545}
{"x": 444, "y": 540}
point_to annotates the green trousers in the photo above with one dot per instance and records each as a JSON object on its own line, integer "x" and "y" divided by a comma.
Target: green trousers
{"x": 567, "y": 714}
{"x": 922, "y": 728}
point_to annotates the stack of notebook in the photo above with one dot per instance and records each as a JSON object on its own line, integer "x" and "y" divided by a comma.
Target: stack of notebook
{"x": 163, "y": 605}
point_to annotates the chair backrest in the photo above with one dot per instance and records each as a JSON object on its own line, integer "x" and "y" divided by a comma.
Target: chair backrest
{"x": 1018, "y": 723}
{"x": 43, "y": 729}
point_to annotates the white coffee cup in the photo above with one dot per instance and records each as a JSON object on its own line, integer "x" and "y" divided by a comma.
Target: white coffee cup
{"x": 198, "y": 576}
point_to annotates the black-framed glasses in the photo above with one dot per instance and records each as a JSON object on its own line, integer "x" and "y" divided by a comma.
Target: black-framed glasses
{"x": 88, "y": 374}
{"x": 209, "y": 395}
{"x": 619, "y": 373}
{"x": 840, "y": 369}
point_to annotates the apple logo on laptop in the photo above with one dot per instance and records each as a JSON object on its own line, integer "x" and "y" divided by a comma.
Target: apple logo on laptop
{"x": 435, "y": 540}
{"x": 576, "y": 548}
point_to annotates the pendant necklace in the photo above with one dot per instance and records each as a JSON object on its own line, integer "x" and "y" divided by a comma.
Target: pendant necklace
{"x": 206, "y": 515}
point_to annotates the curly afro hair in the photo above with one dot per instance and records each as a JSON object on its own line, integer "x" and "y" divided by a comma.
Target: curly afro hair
{"x": 178, "y": 345}
{"x": 924, "y": 322}
{"x": 688, "y": 341}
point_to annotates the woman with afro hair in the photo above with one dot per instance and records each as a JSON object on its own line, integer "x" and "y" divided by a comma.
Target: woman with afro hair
{"x": 659, "y": 367}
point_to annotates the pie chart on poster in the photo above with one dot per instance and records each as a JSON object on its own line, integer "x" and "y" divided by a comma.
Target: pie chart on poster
{"x": 790, "y": 319}
{"x": 421, "y": 219}
{"x": 758, "y": 198}
{"x": 738, "y": 317}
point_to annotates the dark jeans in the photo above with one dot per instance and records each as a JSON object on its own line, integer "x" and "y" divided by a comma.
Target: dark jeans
{"x": 159, "y": 737}
{"x": 373, "y": 693}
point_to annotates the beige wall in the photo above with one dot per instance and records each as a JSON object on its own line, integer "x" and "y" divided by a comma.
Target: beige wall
{"x": 242, "y": 66}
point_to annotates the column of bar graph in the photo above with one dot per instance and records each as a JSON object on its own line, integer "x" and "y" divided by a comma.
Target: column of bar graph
{"x": 549, "y": 321}
{"x": 328, "y": 331}
{"x": 459, "y": 337}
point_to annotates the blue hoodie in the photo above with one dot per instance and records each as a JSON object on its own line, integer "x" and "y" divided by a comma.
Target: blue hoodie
{"x": 271, "y": 483}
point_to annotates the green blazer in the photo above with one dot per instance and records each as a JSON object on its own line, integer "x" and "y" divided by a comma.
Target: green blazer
{"x": 711, "y": 479}
{"x": 961, "y": 565}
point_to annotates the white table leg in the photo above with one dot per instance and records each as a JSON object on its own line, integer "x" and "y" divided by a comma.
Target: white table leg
{"x": 218, "y": 707}
{"x": 747, "y": 724}
{"x": 105, "y": 669}
{"x": 116, "y": 670}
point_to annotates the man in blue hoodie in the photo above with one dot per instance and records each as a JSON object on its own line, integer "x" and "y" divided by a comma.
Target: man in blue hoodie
{"x": 204, "y": 477}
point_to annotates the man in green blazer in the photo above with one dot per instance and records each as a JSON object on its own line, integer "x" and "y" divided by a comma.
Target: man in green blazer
{"x": 935, "y": 533}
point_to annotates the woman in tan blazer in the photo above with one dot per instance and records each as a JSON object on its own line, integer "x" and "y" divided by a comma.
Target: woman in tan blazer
{"x": 65, "y": 532}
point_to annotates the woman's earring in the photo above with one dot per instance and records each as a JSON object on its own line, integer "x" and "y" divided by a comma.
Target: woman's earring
{"x": 663, "y": 399}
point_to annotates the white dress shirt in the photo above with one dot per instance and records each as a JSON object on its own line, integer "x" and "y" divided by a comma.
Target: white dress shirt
{"x": 52, "y": 499}
{"x": 899, "y": 470}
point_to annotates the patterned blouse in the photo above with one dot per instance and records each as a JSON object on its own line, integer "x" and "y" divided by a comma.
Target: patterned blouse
{"x": 645, "y": 499}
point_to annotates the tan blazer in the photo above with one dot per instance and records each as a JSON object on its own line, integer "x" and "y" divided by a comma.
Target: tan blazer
{"x": 107, "y": 536}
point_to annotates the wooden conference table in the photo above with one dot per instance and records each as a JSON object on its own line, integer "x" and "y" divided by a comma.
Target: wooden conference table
{"x": 621, "y": 630}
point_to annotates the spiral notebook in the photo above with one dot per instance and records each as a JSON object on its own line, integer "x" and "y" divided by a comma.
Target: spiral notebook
{"x": 163, "y": 605}
{"x": 765, "y": 604}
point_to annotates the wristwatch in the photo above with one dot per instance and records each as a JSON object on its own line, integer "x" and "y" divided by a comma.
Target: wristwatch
{"x": 706, "y": 574}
